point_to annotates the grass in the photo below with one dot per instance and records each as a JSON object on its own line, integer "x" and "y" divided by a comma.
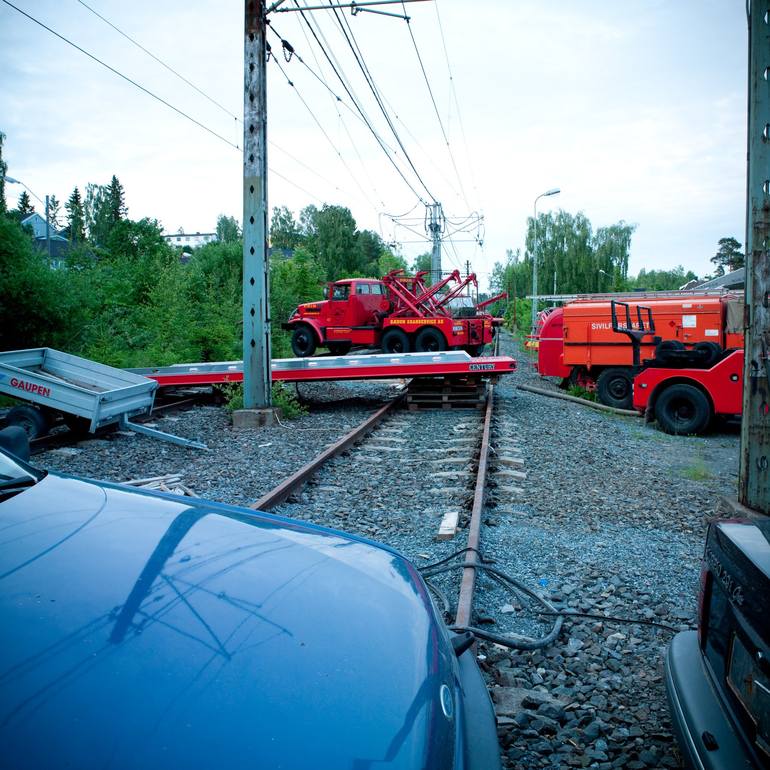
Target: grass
{"x": 697, "y": 471}
{"x": 579, "y": 392}
{"x": 283, "y": 398}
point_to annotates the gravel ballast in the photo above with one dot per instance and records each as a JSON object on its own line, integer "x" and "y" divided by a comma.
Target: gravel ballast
{"x": 610, "y": 520}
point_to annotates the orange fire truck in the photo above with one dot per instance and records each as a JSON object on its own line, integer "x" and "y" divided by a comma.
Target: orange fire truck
{"x": 576, "y": 342}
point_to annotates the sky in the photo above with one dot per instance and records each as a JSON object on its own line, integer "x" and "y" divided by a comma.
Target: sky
{"x": 635, "y": 110}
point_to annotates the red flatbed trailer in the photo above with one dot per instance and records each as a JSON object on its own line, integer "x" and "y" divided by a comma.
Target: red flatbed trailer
{"x": 320, "y": 368}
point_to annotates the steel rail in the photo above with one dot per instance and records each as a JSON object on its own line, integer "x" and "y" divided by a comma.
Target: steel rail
{"x": 465, "y": 600}
{"x": 294, "y": 482}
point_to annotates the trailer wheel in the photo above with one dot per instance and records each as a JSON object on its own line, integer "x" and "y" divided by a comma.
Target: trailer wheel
{"x": 683, "y": 410}
{"x": 34, "y": 423}
{"x": 395, "y": 341}
{"x": 614, "y": 387}
{"x": 429, "y": 340}
{"x": 339, "y": 348}
{"x": 303, "y": 341}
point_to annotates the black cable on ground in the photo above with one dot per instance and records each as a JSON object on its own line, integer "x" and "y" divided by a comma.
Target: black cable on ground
{"x": 614, "y": 618}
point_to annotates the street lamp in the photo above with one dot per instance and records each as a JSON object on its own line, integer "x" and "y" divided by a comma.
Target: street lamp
{"x": 11, "y": 180}
{"x": 554, "y": 191}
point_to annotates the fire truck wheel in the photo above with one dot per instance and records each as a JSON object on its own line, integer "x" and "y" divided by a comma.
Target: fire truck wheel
{"x": 614, "y": 387}
{"x": 31, "y": 419}
{"x": 683, "y": 410}
{"x": 303, "y": 341}
{"x": 395, "y": 341}
{"x": 429, "y": 340}
{"x": 340, "y": 348}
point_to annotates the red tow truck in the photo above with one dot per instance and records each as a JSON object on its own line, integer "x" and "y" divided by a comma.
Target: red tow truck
{"x": 398, "y": 314}
{"x": 682, "y": 389}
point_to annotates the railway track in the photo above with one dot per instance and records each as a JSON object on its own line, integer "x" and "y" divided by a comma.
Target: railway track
{"x": 420, "y": 481}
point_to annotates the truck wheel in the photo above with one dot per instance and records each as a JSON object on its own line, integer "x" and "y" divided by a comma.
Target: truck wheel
{"x": 395, "y": 341}
{"x": 615, "y": 388}
{"x": 429, "y": 340}
{"x": 34, "y": 423}
{"x": 339, "y": 348}
{"x": 683, "y": 410}
{"x": 303, "y": 341}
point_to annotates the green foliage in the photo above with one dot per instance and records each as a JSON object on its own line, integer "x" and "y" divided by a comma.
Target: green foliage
{"x": 228, "y": 229}
{"x": 33, "y": 312}
{"x": 728, "y": 256}
{"x": 284, "y": 231}
{"x": 282, "y": 397}
{"x": 660, "y": 280}
{"x": 579, "y": 392}
{"x": 76, "y": 219}
{"x": 25, "y": 207}
{"x": 3, "y": 169}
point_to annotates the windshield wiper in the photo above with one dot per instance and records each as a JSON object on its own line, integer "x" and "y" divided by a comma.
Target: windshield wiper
{"x": 12, "y": 486}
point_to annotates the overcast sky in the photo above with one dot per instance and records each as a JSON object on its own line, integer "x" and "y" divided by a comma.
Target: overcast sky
{"x": 635, "y": 109}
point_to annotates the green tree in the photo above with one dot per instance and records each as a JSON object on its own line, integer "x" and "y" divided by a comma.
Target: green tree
{"x": 24, "y": 206}
{"x": 228, "y": 230}
{"x": 284, "y": 231}
{"x": 729, "y": 255}
{"x": 116, "y": 201}
{"x": 54, "y": 212}
{"x": 75, "y": 217}
{"x": 96, "y": 213}
{"x": 334, "y": 242}
{"x": 3, "y": 169}
{"x": 423, "y": 262}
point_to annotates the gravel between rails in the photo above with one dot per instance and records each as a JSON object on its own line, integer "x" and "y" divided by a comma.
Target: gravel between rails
{"x": 610, "y": 520}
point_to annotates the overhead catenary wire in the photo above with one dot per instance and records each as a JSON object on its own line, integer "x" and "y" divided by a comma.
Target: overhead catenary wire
{"x": 358, "y": 55}
{"x": 359, "y": 108}
{"x": 154, "y": 96}
{"x": 323, "y": 131}
{"x": 210, "y": 98}
{"x": 435, "y": 106}
{"x": 121, "y": 75}
{"x": 159, "y": 60}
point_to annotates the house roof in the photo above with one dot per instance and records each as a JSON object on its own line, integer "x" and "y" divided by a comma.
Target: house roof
{"x": 732, "y": 280}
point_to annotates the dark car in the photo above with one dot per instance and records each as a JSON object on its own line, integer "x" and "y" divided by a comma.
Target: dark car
{"x": 143, "y": 630}
{"x": 718, "y": 678}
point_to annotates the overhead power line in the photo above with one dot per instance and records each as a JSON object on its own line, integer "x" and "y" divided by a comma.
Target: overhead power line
{"x": 167, "y": 104}
{"x": 435, "y": 108}
{"x": 358, "y": 55}
{"x": 160, "y": 61}
{"x": 124, "y": 77}
{"x": 358, "y": 106}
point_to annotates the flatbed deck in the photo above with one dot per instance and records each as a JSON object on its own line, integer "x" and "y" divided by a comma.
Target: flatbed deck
{"x": 350, "y": 367}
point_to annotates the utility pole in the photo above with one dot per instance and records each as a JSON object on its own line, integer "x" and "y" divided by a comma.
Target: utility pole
{"x": 754, "y": 482}
{"x": 434, "y": 228}
{"x": 48, "y": 229}
{"x": 257, "y": 378}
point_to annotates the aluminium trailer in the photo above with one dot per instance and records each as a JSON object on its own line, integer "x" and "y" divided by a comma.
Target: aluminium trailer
{"x": 89, "y": 395}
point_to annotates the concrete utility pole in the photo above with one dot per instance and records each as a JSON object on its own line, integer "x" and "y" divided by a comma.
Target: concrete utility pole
{"x": 48, "y": 229}
{"x": 435, "y": 227}
{"x": 754, "y": 483}
{"x": 256, "y": 276}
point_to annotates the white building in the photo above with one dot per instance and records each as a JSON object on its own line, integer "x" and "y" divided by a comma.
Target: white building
{"x": 189, "y": 240}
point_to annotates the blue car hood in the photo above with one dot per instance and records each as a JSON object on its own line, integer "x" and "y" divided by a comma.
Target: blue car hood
{"x": 140, "y": 631}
